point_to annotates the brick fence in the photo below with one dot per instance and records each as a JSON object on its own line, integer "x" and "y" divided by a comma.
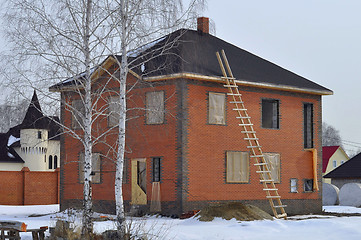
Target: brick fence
{"x": 27, "y": 187}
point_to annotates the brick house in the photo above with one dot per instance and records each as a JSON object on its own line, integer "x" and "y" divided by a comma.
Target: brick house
{"x": 184, "y": 146}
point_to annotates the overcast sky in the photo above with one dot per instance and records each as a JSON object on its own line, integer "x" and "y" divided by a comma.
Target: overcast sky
{"x": 317, "y": 39}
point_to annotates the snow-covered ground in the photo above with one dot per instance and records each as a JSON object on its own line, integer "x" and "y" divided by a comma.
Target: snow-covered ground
{"x": 296, "y": 228}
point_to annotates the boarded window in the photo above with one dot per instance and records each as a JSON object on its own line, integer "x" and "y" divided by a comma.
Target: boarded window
{"x": 142, "y": 175}
{"x": 156, "y": 169}
{"x": 293, "y": 185}
{"x": 237, "y": 167}
{"x": 308, "y": 185}
{"x": 95, "y": 174}
{"x": 308, "y": 125}
{"x": 273, "y": 160}
{"x": 155, "y": 107}
{"x": 114, "y": 110}
{"x": 78, "y": 112}
{"x": 217, "y": 108}
{"x": 270, "y": 113}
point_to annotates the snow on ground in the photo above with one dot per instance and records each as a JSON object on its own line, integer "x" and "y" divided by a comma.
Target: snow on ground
{"x": 296, "y": 228}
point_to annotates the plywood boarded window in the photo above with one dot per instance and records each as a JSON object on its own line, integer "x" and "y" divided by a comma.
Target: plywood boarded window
{"x": 95, "y": 175}
{"x": 155, "y": 107}
{"x": 237, "y": 167}
{"x": 273, "y": 160}
{"x": 308, "y": 125}
{"x": 114, "y": 110}
{"x": 270, "y": 113}
{"x": 156, "y": 169}
{"x": 78, "y": 112}
{"x": 217, "y": 108}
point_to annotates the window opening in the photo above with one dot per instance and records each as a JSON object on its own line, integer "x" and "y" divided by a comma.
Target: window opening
{"x": 156, "y": 169}
{"x": 308, "y": 125}
{"x": 293, "y": 185}
{"x": 217, "y": 108}
{"x": 270, "y": 113}
{"x": 237, "y": 167}
{"x": 308, "y": 185}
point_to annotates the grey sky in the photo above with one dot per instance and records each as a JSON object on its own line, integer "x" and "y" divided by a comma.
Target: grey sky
{"x": 317, "y": 39}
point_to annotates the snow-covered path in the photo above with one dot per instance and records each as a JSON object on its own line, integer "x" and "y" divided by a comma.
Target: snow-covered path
{"x": 321, "y": 227}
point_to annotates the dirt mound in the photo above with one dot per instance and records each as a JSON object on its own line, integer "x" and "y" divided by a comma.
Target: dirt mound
{"x": 237, "y": 210}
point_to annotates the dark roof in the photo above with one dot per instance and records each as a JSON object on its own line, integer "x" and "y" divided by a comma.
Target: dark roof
{"x": 327, "y": 152}
{"x": 35, "y": 119}
{"x": 349, "y": 169}
{"x": 194, "y": 52}
{"x": 7, "y": 153}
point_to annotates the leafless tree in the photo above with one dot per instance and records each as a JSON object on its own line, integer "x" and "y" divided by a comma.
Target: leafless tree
{"x": 330, "y": 136}
{"x": 64, "y": 39}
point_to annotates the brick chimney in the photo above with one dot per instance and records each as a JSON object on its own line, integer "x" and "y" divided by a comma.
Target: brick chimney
{"x": 203, "y": 25}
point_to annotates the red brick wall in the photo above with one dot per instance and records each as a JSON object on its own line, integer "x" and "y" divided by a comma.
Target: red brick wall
{"x": 207, "y": 145}
{"x": 198, "y": 150}
{"x": 29, "y": 187}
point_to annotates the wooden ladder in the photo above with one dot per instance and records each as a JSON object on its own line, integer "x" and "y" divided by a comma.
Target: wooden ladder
{"x": 252, "y": 141}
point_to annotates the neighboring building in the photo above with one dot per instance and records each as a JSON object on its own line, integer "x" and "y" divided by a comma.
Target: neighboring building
{"x": 35, "y": 143}
{"x": 183, "y": 137}
{"x": 349, "y": 172}
{"x": 332, "y": 157}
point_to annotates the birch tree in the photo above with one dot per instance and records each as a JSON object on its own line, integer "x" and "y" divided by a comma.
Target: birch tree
{"x": 65, "y": 39}
{"x": 56, "y": 40}
{"x": 140, "y": 21}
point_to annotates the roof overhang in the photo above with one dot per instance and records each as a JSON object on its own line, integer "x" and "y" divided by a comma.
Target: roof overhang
{"x": 239, "y": 82}
{"x": 98, "y": 72}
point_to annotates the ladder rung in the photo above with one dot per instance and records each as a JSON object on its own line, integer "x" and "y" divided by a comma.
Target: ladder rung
{"x": 263, "y": 171}
{"x": 250, "y": 138}
{"x": 260, "y": 164}
{"x": 273, "y": 196}
{"x": 230, "y": 86}
{"x": 280, "y": 206}
{"x": 257, "y": 156}
{"x": 234, "y": 94}
{"x": 239, "y": 109}
{"x": 230, "y": 78}
{"x": 253, "y": 146}
{"x": 248, "y": 131}
{"x": 243, "y": 117}
{"x": 266, "y": 180}
{"x": 245, "y": 124}
{"x": 235, "y": 102}
{"x": 270, "y": 189}
{"x": 283, "y": 215}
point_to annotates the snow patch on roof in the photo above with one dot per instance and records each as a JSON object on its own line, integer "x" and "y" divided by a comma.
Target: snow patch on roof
{"x": 12, "y": 140}
{"x": 10, "y": 155}
{"x": 136, "y": 52}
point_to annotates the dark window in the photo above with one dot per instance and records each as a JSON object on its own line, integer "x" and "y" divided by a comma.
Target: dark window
{"x": 55, "y": 162}
{"x": 270, "y": 113}
{"x": 78, "y": 113}
{"x": 308, "y": 125}
{"x": 156, "y": 169}
{"x": 308, "y": 185}
{"x": 50, "y": 162}
{"x": 39, "y": 134}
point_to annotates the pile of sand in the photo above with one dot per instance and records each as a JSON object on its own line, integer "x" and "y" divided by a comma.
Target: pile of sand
{"x": 237, "y": 210}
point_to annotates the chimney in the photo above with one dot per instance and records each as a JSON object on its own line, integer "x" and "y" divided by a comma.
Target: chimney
{"x": 203, "y": 25}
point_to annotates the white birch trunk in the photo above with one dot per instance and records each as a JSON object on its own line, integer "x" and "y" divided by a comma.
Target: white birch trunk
{"x": 87, "y": 226}
{"x": 121, "y": 128}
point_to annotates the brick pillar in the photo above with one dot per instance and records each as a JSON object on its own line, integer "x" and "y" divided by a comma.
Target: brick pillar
{"x": 57, "y": 171}
{"x": 26, "y": 173}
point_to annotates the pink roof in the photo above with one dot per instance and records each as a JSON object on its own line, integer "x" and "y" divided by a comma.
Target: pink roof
{"x": 327, "y": 152}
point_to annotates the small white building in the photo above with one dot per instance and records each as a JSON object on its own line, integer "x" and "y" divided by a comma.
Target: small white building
{"x": 35, "y": 143}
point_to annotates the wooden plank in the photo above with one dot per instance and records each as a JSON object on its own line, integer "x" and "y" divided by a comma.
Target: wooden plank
{"x": 15, "y": 225}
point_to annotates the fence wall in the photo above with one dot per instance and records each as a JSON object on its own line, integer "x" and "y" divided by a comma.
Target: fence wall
{"x": 27, "y": 187}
